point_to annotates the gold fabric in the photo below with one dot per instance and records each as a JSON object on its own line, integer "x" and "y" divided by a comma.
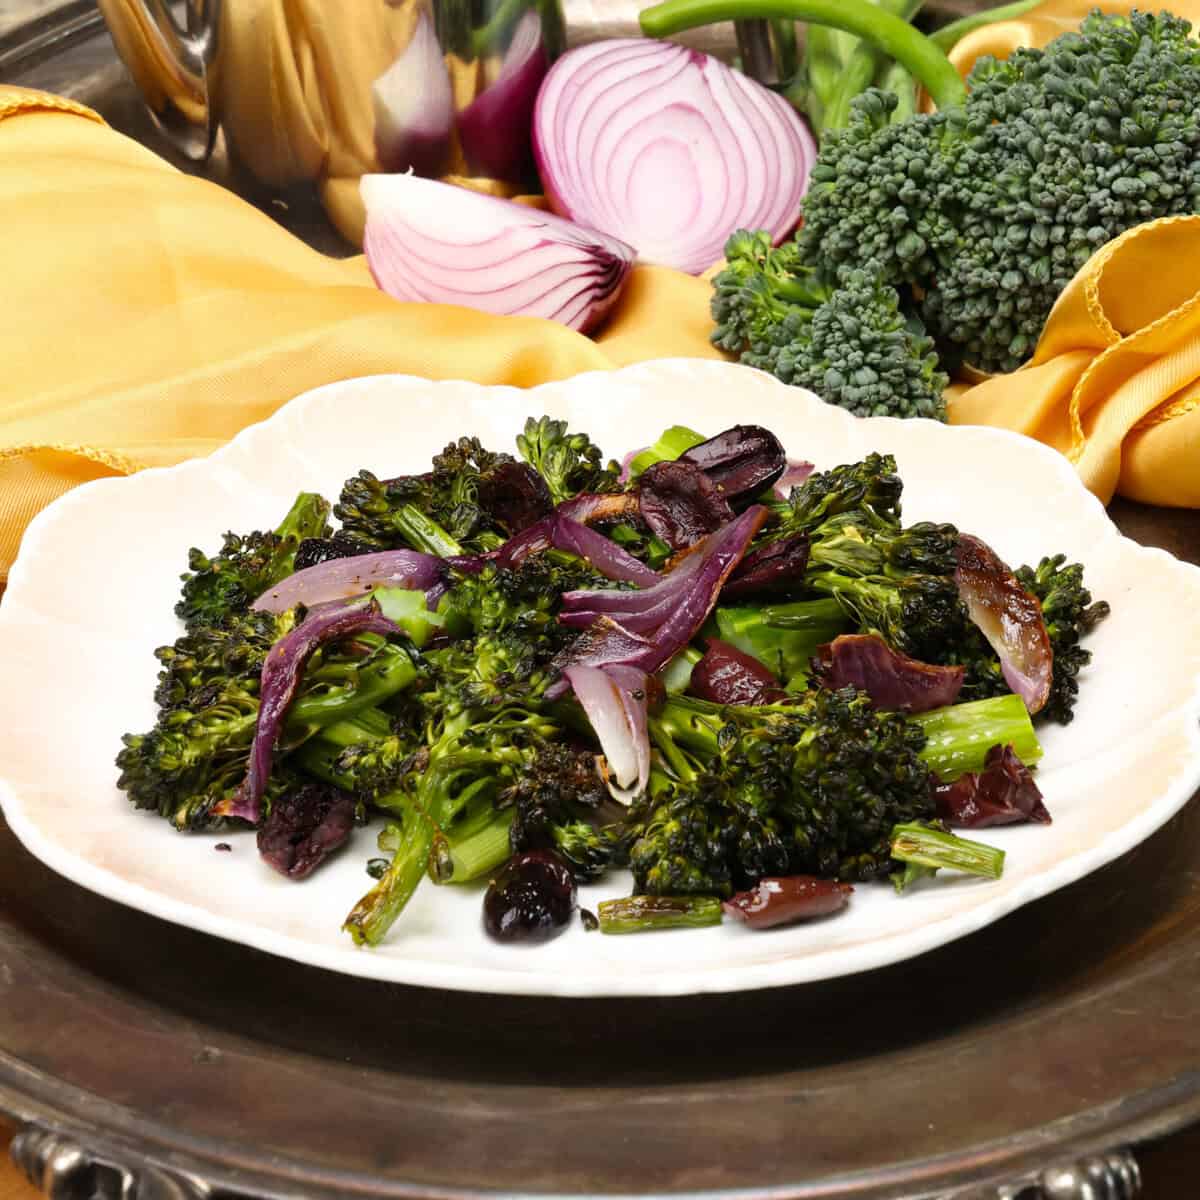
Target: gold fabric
{"x": 1115, "y": 381}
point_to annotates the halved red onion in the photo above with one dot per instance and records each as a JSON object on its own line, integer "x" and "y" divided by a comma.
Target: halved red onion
{"x": 891, "y": 679}
{"x": 494, "y": 127}
{"x": 601, "y": 643}
{"x": 614, "y": 720}
{"x": 668, "y": 149}
{"x": 341, "y": 578}
{"x": 414, "y": 106}
{"x": 431, "y": 242}
{"x": 1009, "y": 617}
{"x": 281, "y": 674}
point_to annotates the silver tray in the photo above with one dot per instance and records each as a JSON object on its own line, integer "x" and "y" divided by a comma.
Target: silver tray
{"x": 141, "y": 1059}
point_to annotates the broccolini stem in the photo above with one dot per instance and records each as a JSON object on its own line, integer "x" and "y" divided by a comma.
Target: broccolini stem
{"x": 391, "y": 671}
{"x": 896, "y": 38}
{"x": 424, "y": 533}
{"x": 860, "y": 70}
{"x": 929, "y": 847}
{"x": 784, "y": 33}
{"x": 479, "y": 849}
{"x": 958, "y": 737}
{"x": 373, "y": 915}
{"x": 819, "y": 616}
{"x": 671, "y": 444}
{"x": 641, "y": 914}
{"x": 949, "y": 35}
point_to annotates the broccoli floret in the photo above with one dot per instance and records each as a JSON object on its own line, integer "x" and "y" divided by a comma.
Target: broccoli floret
{"x": 570, "y": 463}
{"x": 247, "y": 565}
{"x": 989, "y": 208}
{"x": 850, "y": 343}
{"x": 447, "y": 511}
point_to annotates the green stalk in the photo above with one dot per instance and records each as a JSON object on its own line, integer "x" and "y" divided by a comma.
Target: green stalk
{"x": 487, "y": 38}
{"x": 643, "y": 914}
{"x": 390, "y": 671}
{"x": 959, "y": 736}
{"x": 371, "y": 918}
{"x": 481, "y": 846}
{"x": 948, "y": 36}
{"x": 935, "y": 849}
{"x": 423, "y": 533}
{"x": 861, "y": 67}
{"x": 787, "y": 53}
{"x": 896, "y": 38}
{"x": 784, "y": 637}
{"x": 671, "y": 444}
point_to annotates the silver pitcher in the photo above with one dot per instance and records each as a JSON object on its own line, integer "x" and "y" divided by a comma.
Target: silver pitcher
{"x": 324, "y": 91}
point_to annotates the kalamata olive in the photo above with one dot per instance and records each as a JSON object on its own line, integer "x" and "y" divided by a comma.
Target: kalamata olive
{"x": 742, "y": 461}
{"x": 779, "y": 901}
{"x": 530, "y": 899}
{"x": 515, "y": 496}
{"x": 680, "y": 503}
{"x": 771, "y": 570}
{"x": 727, "y": 676}
{"x": 304, "y": 827}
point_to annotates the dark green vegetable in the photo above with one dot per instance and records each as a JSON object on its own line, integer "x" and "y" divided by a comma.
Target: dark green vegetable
{"x": 849, "y": 342}
{"x": 644, "y": 914}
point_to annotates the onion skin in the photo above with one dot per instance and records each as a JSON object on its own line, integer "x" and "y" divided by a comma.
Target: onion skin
{"x": 668, "y": 149}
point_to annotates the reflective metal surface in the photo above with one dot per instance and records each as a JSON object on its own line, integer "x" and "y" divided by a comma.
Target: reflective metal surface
{"x": 307, "y": 90}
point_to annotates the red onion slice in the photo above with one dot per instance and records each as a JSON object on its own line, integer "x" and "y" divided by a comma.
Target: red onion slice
{"x": 601, "y": 700}
{"x": 1009, "y": 617}
{"x": 430, "y": 242}
{"x": 602, "y": 553}
{"x": 794, "y": 474}
{"x": 341, "y": 578}
{"x": 668, "y": 149}
{"x": 1003, "y": 793}
{"x": 281, "y": 674}
{"x": 891, "y": 679}
{"x": 414, "y": 106}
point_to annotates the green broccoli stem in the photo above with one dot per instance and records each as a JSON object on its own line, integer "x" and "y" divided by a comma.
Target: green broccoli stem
{"x": 479, "y": 846}
{"x": 643, "y": 914}
{"x": 391, "y": 670}
{"x": 424, "y": 533}
{"x": 958, "y": 737}
{"x": 487, "y": 38}
{"x": 949, "y": 36}
{"x": 671, "y": 444}
{"x": 784, "y": 637}
{"x": 896, "y": 38}
{"x": 412, "y": 837}
{"x": 861, "y": 67}
{"x": 935, "y": 849}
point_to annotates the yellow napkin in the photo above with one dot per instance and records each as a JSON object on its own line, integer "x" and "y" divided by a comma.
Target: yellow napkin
{"x": 1115, "y": 381}
{"x": 151, "y": 315}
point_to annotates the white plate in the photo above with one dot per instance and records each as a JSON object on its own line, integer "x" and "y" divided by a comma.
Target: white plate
{"x": 92, "y": 595}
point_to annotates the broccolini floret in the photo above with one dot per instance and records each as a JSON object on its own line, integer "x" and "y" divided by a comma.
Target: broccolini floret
{"x": 848, "y": 342}
{"x": 570, "y": 463}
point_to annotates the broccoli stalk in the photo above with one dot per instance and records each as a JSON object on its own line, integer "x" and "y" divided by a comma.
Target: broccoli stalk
{"x": 641, "y": 914}
{"x": 925, "y": 848}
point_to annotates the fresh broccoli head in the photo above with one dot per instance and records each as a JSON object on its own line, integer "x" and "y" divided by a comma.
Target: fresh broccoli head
{"x": 849, "y": 343}
{"x": 988, "y": 209}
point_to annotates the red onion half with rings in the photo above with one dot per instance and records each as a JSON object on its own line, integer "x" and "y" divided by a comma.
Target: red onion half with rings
{"x": 668, "y": 149}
